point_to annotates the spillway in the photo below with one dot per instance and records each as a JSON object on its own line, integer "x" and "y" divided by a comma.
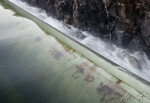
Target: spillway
{"x": 39, "y": 64}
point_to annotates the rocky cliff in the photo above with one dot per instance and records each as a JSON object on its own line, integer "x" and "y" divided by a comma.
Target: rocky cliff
{"x": 124, "y": 22}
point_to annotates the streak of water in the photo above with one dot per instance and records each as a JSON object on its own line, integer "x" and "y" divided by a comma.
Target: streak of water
{"x": 110, "y": 51}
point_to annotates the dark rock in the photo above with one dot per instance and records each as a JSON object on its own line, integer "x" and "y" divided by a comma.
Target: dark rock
{"x": 129, "y": 23}
{"x": 124, "y": 22}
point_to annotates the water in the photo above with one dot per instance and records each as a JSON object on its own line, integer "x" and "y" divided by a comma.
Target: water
{"x": 30, "y": 69}
{"x": 116, "y": 54}
{"x": 36, "y": 68}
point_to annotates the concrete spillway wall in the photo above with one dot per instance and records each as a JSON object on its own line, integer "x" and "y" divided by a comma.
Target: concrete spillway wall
{"x": 80, "y": 72}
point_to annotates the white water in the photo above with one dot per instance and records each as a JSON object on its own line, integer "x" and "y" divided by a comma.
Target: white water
{"x": 118, "y": 55}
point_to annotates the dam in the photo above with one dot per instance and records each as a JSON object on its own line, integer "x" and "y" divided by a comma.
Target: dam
{"x": 40, "y": 64}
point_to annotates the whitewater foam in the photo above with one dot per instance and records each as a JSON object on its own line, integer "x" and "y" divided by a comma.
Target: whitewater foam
{"x": 112, "y": 52}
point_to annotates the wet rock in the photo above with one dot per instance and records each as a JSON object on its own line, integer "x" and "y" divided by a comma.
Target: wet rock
{"x": 147, "y": 51}
{"x": 87, "y": 15}
{"x": 148, "y": 14}
{"x": 123, "y": 22}
{"x": 128, "y": 22}
{"x": 79, "y": 35}
{"x": 135, "y": 63}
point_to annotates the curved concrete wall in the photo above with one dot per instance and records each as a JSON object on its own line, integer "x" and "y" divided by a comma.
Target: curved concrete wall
{"x": 62, "y": 74}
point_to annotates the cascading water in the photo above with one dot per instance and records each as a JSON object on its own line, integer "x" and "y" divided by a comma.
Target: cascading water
{"x": 116, "y": 54}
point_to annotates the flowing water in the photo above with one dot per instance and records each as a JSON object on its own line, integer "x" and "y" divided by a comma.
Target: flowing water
{"x": 37, "y": 68}
{"x": 116, "y": 54}
{"x": 31, "y": 68}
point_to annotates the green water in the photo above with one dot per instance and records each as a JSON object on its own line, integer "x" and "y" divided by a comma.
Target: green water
{"x": 32, "y": 67}
{"x": 36, "y": 68}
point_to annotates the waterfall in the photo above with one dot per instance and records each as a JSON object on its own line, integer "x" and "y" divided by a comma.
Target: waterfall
{"x": 136, "y": 62}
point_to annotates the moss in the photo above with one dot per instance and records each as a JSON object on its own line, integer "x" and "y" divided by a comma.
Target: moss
{"x": 130, "y": 28}
{"x": 2, "y": 3}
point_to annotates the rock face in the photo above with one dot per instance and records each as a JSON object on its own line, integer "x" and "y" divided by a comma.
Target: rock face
{"x": 84, "y": 14}
{"x": 124, "y": 22}
{"x": 129, "y": 23}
